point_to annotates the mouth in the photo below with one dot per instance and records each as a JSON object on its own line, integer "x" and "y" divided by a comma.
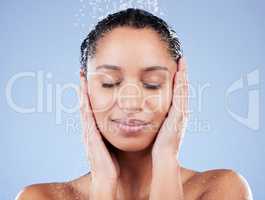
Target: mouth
{"x": 130, "y": 125}
{"x": 131, "y": 122}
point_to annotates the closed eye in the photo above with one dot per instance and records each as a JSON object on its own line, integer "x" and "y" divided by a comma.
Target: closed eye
{"x": 152, "y": 86}
{"x": 110, "y": 85}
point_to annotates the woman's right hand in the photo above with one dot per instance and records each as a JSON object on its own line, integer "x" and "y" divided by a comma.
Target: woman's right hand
{"x": 103, "y": 163}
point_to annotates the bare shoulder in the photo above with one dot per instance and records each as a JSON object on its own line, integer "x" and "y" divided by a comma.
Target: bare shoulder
{"x": 224, "y": 184}
{"x": 46, "y": 191}
{"x": 77, "y": 189}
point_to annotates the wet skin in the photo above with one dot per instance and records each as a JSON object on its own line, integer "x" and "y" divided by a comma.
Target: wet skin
{"x": 146, "y": 165}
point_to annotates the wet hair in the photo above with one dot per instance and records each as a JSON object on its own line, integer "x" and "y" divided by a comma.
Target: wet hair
{"x": 131, "y": 17}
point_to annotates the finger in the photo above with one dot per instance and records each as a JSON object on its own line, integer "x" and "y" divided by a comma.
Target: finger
{"x": 186, "y": 94}
{"x": 181, "y": 104}
{"x": 85, "y": 119}
{"x": 91, "y": 137}
{"x": 86, "y": 110}
{"x": 93, "y": 140}
{"x": 178, "y": 92}
{"x": 182, "y": 64}
{"x": 176, "y": 116}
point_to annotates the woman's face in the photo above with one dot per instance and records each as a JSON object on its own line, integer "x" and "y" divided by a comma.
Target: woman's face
{"x": 130, "y": 77}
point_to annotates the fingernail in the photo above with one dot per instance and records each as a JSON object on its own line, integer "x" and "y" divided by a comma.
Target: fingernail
{"x": 82, "y": 72}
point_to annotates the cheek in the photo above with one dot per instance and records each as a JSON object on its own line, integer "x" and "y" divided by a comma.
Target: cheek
{"x": 101, "y": 102}
{"x": 101, "y": 99}
{"x": 159, "y": 102}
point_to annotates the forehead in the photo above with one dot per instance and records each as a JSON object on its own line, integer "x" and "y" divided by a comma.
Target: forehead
{"x": 132, "y": 48}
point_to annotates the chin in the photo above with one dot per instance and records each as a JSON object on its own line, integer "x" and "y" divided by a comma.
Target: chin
{"x": 132, "y": 147}
{"x": 128, "y": 144}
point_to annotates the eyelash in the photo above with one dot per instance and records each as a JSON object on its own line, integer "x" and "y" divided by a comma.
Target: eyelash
{"x": 109, "y": 85}
{"x": 147, "y": 86}
{"x": 152, "y": 86}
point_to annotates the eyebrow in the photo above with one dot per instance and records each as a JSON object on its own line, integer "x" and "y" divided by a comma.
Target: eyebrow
{"x": 152, "y": 68}
{"x": 112, "y": 67}
{"x": 118, "y": 68}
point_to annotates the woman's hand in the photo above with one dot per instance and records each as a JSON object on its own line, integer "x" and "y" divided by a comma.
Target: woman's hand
{"x": 166, "y": 178}
{"x": 170, "y": 135}
{"x": 104, "y": 166}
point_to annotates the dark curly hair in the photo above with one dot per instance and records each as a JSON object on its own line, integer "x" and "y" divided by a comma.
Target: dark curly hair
{"x": 132, "y": 17}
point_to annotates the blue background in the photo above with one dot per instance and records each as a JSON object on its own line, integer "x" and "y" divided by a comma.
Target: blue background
{"x": 222, "y": 41}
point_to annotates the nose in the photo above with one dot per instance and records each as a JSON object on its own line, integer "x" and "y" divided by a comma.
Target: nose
{"x": 130, "y": 98}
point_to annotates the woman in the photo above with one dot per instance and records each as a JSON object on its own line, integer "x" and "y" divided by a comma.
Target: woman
{"x": 134, "y": 108}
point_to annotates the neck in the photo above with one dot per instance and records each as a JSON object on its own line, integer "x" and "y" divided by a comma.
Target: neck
{"x": 134, "y": 164}
{"x": 135, "y": 173}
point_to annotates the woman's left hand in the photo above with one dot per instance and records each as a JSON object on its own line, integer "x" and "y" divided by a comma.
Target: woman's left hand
{"x": 166, "y": 171}
{"x": 170, "y": 135}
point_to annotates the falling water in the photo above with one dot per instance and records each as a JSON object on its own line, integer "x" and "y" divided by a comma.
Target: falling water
{"x": 95, "y": 10}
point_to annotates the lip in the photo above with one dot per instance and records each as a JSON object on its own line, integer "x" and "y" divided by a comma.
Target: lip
{"x": 131, "y": 122}
{"x": 129, "y": 126}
